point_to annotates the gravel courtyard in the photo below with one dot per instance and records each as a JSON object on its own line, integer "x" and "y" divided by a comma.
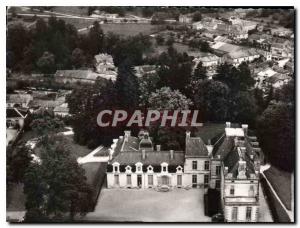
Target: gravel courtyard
{"x": 178, "y": 205}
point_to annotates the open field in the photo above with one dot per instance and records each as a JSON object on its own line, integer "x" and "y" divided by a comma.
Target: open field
{"x": 130, "y": 29}
{"x": 148, "y": 205}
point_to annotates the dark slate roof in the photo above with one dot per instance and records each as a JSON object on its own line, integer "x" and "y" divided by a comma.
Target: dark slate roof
{"x": 152, "y": 158}
{"x": 195, "y": 147}
{"x": 15, "y": 113}
{"x": 225, "y": 147}
{"x": 132, "y": 144}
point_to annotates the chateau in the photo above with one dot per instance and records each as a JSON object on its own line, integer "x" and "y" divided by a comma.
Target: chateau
{"x": 230, "y": 165}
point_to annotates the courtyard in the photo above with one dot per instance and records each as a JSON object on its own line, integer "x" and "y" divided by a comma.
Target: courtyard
{"x": 148, "y": 205}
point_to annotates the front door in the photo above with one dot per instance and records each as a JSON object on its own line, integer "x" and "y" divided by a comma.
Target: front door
{"x": 194, "y": 181}
{"x": 139, "y": 181}
{"x": 165, "y": 180}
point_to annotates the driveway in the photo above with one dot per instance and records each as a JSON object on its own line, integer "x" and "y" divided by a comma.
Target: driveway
{"x": 148, "y": 205}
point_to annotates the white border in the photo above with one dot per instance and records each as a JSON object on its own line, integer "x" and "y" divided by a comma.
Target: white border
{"x": 108, "y": 3}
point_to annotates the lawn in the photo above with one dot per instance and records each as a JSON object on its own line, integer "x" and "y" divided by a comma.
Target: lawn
{"x": 148, "y": 205}
{"x": 210, "y": 131}
{"x": 281, "y": 182}
{"x": 130, "y": 29}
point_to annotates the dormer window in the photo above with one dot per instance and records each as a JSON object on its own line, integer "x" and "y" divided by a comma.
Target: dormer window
{"x": 139, "y": 167}
{"x": 179, "y": 169}
{"x": 128, "y": 169}
{"x": 150, "y": 169}
{"x": 116, "y": 167}
{"x": 164, "y": 167}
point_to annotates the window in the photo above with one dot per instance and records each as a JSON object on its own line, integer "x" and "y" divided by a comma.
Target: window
{"x": 248, "y": 213}
{"x": 164, "y": 169}
{"x": 150, "y": 179}
{"x": 116, "y": 168}
{"x": 234, "y": 213}
{"x": 218, "y": 170}
{"x": 206, "y": 179}
{"x": 251, "y": 190}
{"x": 117, "y": 180}
{"x": 179, "y": 180}
{"x": 194, "y": 181}
{"x": 218, "y": 183}
{"x": 206, "y": 165}
{"x": 139, "y": 169}
{"x": 128, "y": 177}
{"x": 232, "y": 190}
{"x": 195, "y": 165}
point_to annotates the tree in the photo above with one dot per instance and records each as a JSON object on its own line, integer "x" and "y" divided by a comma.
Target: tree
{"x": 199, "y": 72}
{"x": 174, "y": 70}
{"x": 78, "y": 58}
{"x": 166, "y": 99}
{"x": 56, "y": 185}
{"x": 243, "y": 108}
{"x": 46, "y": 63}
{"x": 127, "y": 87}
{"x": 211, "y": 98}
{"x": 276, "y": 133}
{"x": 204, "y": 47}
{"x": 159, "y": 39}
{"x": 46, "y": 124}
{"x": 197, "y": 17}
{"x": 147, "y": 84}
{"x": 236, "y": 78}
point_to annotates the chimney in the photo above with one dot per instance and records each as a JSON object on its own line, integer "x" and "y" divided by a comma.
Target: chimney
{"x": 242, "y": 170}
{"x": 209, "y": 147}
{"x": 172, "y": 154}
{"x": 245, "y": 128}
{"x": 127, "y": 134}
{"x": 188, "y": 135}
{"x": 143, "y": 154}
{"x": 158, "y": 147}
{"x": 228, "y": 125}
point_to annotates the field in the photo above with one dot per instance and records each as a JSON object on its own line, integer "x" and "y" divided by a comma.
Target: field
{"x": 130, "y": 29}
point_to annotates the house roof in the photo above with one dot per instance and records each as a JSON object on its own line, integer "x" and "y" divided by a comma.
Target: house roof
{"x": 77, "y": 74}
{"x": 15, "y": 113}
{"x": 242, "y": 53}
{"x": 62, "y": 108}
{"x": 195, "y": 147}
{"x": 151, "y": 158}
{"x": 18, "y": 98}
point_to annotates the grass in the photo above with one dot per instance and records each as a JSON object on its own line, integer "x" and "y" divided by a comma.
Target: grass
{"x": 281, "y": 182}
{"x": 129, "y": 29}
{"x": 210, "y": 131}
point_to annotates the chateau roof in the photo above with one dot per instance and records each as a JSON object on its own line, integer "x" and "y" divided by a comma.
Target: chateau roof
{"x": 151, "y": 158}
{"x": 195, "y": 147}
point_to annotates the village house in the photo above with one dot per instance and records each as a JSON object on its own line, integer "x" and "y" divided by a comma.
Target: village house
{"x": 140, "y": 71}
{"x": 281, "y": 48}
{"x": 15, "y": 117}
{"x": 185, "y": 18}
{"x": 75, "y": 76}
{"x": 61, "y": 110}
{"x": 243, "y": 55}
{"x": 207, "y": 23}
{"x": 208, "y": 60}
{"x": 272, "y": 77}
{"x": 105, "y": 67}
{"x": 231, "y": 165}
{"x": 18, "y": 100}
{"x": 246, "y": 25}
